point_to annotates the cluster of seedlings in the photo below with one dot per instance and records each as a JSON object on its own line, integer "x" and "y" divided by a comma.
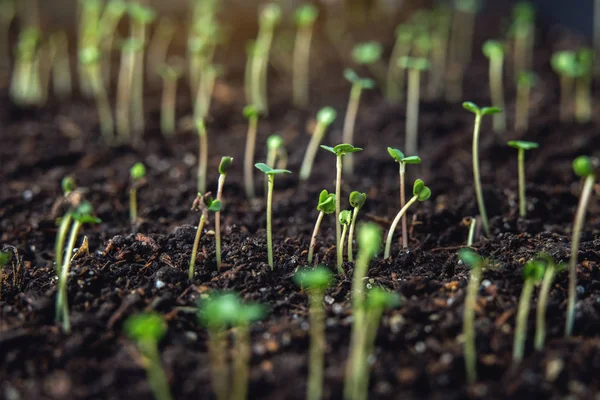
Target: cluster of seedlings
{"x": 436, "y": 45}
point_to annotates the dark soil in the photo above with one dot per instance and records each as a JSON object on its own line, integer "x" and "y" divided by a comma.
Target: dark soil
{"x": 418, "y": 352}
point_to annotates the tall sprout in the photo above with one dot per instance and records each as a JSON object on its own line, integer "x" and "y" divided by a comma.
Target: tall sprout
{"x": 415, "y": 67}
{"x": 112, "y": 14}
{"x": 25, "y": 86}
{"x": 158, "y": 48}
{"x": 523, "y": 30}
{"x": 223, "y": 169}
{"x": 583, "y": 86}
{"x": 325, "y": 117}
{"x": 565, "y": 65}
{"x": 440, "y": 37}
{"x": 129, "y": 48}
{"x": 540, "y": 320}
{"x": 251, "y": 112}
{"x": 61, "y": 69}
{"x": 170, "y": 74}
{"x": 494, "y": 51}
{"x": 533, "y": 272}
{"x": 525, "y": 81}
{"x": 394, "y": 87}
{"x": 305, "y": 17}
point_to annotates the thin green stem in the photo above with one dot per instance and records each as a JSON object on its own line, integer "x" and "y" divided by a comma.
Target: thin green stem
{"x": 271, "y": 159}
{"x": 202, "y": 158}
{"x": 317, "y": 345}
{"x": 521, "y": 323}
{"x": 300, "y": 68}
{"x": 269, "y": 221}
{"x": 350, "y": 122}
{"x": 583, "y": 99}
{"x": 522, "y": 199}
{"x": 249, "y": 157}
{"x": 133, "y": 205}
{"x": 586, "y": 193}
{"x": 218, "y": 219}
{"x": 351, "y": 234}
{"x": 311, "y": 151}
{"x": 338, "y": 195}
{"x": 340, "y": 250}
{"x": 542, "y": 304}
{"x": 497, "y": 92}
{"x": 471, "y": 235}
{"x": 123, "y": 108}
{"x": 313, "y": 240}
{"x": 470, "y": 351}
{"x": 395, "y": 74}
{"x": 102, "y": 103}
{"x": 217, "y": 349}
{"x": 402, "y": 204}
{"x": 63, "y": 306}
{"x": 61, "y": 236}
{"x": 241, "y": 363}
{"x": 412, "y": 111}
{"x": 477, "y": 177}
{"x": 137, "y": 100}
{"x": 522, "y": 108}
{"x": 195, "y": 248}
{"x": 156, "y": 374}
{"x": 168, "y": 106}
{"x": 390, "y": 236}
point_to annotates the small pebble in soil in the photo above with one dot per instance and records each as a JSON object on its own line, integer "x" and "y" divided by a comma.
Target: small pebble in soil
{"x": 27, "y": 195}
{"x": 580, "y": 289}
{"x": 420, "y": 347}
{"x": 337, "y": 308}
{"x": 446, "y": 358}
{"x": 304, "y": 326}
{"x": 329, "y": 300}
{"x": 191, "y": 336}
{"x": 159, "y": 284}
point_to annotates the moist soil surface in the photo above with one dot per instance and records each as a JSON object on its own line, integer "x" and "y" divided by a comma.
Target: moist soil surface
{"x": 418, "y": 352}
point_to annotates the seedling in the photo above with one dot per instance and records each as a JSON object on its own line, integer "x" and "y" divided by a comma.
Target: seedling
{"x": 170, "y": 74}
{"x": 369, "y": 55}
{"x": 147, "y": 329}
{"x": 358, "y": 84}
{"x": 159, "y": 48}
{"x": 340, "y": 151}
{"x": 113, "y": 12}
{"x": 533, "y": 272}
{"x": 583, "y": 86}
{"x": 137, "y": 174}
{"x": 494, "y": 51}
{"x": 68, "y": 186}
{"x": 525, "y": 81}
{"x": 540, "y": 326}
{"x": 522, "y": 146}
{"x": 475, "y": 263}
{"x": 305, "y": 16}
{"x": 415, "y": 66}
{"x": 270, "y": 172}
{"x": 402, "y": 161}
{"x": 565, "y": 65}
{"x": 420, "y": 193}
{"x": 202, "y": 154}
{"x": 315, "y": 281}
{"x": 223, "y": 168}
{"x": 395, "y": 74}
{"x": 250, "y": 55}
{"x": 204, "y": 204}
{"x": 275, "y": 150}
{"x": 357, "y": 200}
{"x": 523, "y": 29}
{"x": 345, "y": 220}
{"x": 325, "y": 117}
{"x": 251, "y": 113}
{"x": 471, "y": 234}
{"x": 205, "y": 90}
{"x": 217, "y": 313}
{"x": 82, "y": 214}
{"x": 479, "y": 113}
{"x": 326, "y": 206}
{"x": 129, "y": 48}
{"x": 61, "y": 68}
{"x": 25, "y": 87}
{"x": 587, "y": 168}
{"x": 268, "y": 20}
{"x": 89, "y": 35}
{"x": 442, "y": 18}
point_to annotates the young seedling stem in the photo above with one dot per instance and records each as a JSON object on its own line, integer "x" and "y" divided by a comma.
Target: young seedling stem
{"x": 494, "y": 51}
{"x": 223, "y": 168}
{"x": 415, "y": 66}
{"x": 251, "y": 113}
{"x": 357, "y": 200}
{"x": 540, "y": 325}
{"x": 170, "y": 75}
{"x": 61, "y": 70}
{"x": 565, "y": 65}
{"x": 402, "y": 161}
{"x": 325, "y": 117}
{"x": 439, "y": 51}
{"x": 202, "y": 154}
{"x": 420, "y": 193}
{"x": 129, "y": 48}
{"x": 395, "y": 74}
{"x": 112, "y": 14}
{"x": 345, "y": 220}
{"x": 586, "y": 168}
{"x": 473, "y": 261}
{"x": 326, "y": 206}
{"x": 204, "y": 204}
{"x": 159, "y": 48}
{"x": 305, "y": 16}
{"x": 479, "y": 113}
{"x": 525, "y": 81}
{"x": 522, "y": 146}
{"x": 137, "y": 174}
{"x": 523, "y": 28}
{"x": 274, "y": 148}
{"x": 270, "y": 172}
{"x": 583, "y": 86}
{"x": 90, "y": 57}
{"x": 471, "y": 235}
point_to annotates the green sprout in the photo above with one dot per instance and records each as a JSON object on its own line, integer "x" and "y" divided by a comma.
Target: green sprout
{"x": 357, "y": 200}
{"x": 61, "y": 69}
{"x": 223, "y": 168}
{"x": 540, "y": 325}
{"x": 269, "y": 17}
{"x": 315, "y": 281}
{"x": 475, "y": 263}
{"x": 158, "y": 49}
{"x": 68, "y": 186}
{"x": 89, "y": 35}
{"x": 395, "y": 75}
{"x": 402, "y": 161}
{"x": 137, "y": 174}
{"x": 170, "y": 74}
{"x": 204, "y": 204}
{"x": 305, "y": 17}
{"x": 147, "y": 329}
{"x": 479, "y": 113}
{"x": 129, "y": 48}
{"x": 113, "y": 12}
{"x": 369, "y": 55}
{"x": 276, "y": 155}
{"x": 218, "y": 312}
{"x": 583, "y": 86}
{"x": 358, "y": 84}
{"x": 525, "y": 81}
{"x": 250, "y": 55}
{"x": 533, "y": 272}
{"x": 522, "y": 146}
{"x": 326, "y": 206}
{"x": 415, "y": 66}
{"x": 202, "y": 154}
{"x": 205, "y": 90}
{"x": 270, "y": 172}
{"x": 251, "y": 112}
{"x": 325, "y": 117}
{"x": 587, "y": 168}
{"x": 523, "y": 29}
{"x": 82, "y": 214}
{"x": 345, "y": 220}
{"x": 566, "y": 66}
{"x": 25, "y": 88}
{"x": 440, "y": 36}
{"x": 494, "y": 51}
{"x": 420, "y": 193}
{"x": 471, "y": 235}
{"x": 340, "y": 151}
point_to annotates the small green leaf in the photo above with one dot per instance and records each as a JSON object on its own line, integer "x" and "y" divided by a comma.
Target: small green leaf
{"x": 369, "y": 238}
{"x": 412, "y": 160}
{"x": 264, "y": 168}
{"x": 366, "y": 83}
{"x": 350, "y": 75}
{"x": 250, "y": 313}
{"x": 326, "y": 202}
{"x": 404, "y": 33}
{"x": 424, "y": 194}
{"x": 534, "y": 270}
{"x": 270, "y": 15}
{"x": 89, "y": 55}
{"x": 145, "y": 327}
{"x": 326, "y": 115}
{"x": 345, "y": 217}
{"x": 493, "y": 49}
{"x": 68, "y": 184}
{"x": 490, "y": 110}
{"x": 225, "y": 164}
{"x": 396, "y": 154}
{"x": 357, "y": 199}
{"x": 319, "y": 278}
{"x": 342, "y": 149}
{"x": 83, "y": 214}
{"x": 472, "y": 107}
{"x": 141, "y": 13}
{"x": 274, "y": 142}
{"x": 523, "y": 145}
{"x": 470, "y": 258}
{"x": 418, "y": 186}
{"x": 306, "y": 15}
{"x": 137, "y": 171}
{"x": 380, "y": 299}
{"x": 565, "y": 63}
{"x": 251, "y": 111}
{"x": 215, "y": 206}
{"x": 219, "y": 310}
{"x": 367, "y": 53}
{"x": 584, "y": 166}
{"x": 116, "y": 8}
{"x": 523, "y": 13}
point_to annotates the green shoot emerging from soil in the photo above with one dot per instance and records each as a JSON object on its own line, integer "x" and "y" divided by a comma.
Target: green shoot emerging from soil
{"x": 275, "y": 151}
{"x": 270, "y": 172}
{"x": 204, "y": 204}
{"x": 494, "y": 51}
{"x": 565, "y": 65}
{"x": 540, "y": 321}
{"x": 25, "y": 87}
{"x": 479, "y": 113}
{"x": 357, "y": 200}
{"x": 129, "y": 50}
{"x": 113, "y": 12}
{"x": 420, "y": 193}
{"x": 305, "y": 17}
{"x": 586, "y": 168}
{"x": 326, "y": 206}
{"x": 523, "y": 30}
{"x": 68, "y": 186}
{"x": 340, "y": 151}
{"x": 395, "y": 74}
{"x": 147, "y": 330}
{"x": 533, "y": 272}
{"x": 202, "y": 154}
{"x": 525, "y": 81}
{"x": 358, "y": 84}
{"x": 137, "y": 173}
{"x": 402, "y": 161}
{"x": 522, "y": 146}
{"x": 218, "y": 312}
{"x": 583, "y": 86}
{"x": 415, "y": 66}
{"x": 251, "y": 113}
{"x": 345, "y": 220}
{"x": 474, "y": 262}
{"x": 223, "y": 168}
{"x": 315, "y": 281}
{"x": 369, "y": 55}
{"x": 325, "y": 117}
{"x": 170, "y": 74}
